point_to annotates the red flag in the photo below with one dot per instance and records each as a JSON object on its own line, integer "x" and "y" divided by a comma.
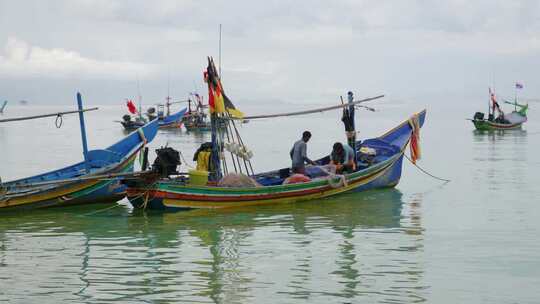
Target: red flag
{"x": 210, "y": 92}
{"x": 131, "y": 107}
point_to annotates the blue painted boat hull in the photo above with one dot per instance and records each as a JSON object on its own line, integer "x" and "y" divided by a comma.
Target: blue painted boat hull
{"x": 173, "y": 120}
{"x": 46, "y": 190}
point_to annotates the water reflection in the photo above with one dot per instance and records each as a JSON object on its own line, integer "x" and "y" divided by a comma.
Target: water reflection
{"x": 500, "y": 157}
{"x": 355, "y": 246}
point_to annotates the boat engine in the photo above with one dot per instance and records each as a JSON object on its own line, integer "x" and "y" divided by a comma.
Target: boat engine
{"x": 166, "y": 162}
{"x": 478, "y": 116}
{"x": 127, "y": 118}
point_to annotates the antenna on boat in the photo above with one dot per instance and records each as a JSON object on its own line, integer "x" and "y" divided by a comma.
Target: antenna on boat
{"x": 220, "y": 76}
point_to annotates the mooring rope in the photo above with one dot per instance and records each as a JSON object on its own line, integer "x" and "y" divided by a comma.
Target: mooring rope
{"x": 185, "y": 162}
{"x": 424, "y": 171}
{"x": 101, "y": 210}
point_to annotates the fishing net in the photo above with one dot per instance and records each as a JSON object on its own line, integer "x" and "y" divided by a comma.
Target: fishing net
{"x": 296, "y": 178}
{"x": 237, "y": 180}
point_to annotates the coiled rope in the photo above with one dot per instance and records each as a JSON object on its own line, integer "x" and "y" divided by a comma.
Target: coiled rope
{"x": 58, "y": 121}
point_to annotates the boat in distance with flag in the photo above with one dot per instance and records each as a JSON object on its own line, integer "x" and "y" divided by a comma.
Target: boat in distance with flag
{"x": 166, "y": 120}
{"x": 497, "y": 119}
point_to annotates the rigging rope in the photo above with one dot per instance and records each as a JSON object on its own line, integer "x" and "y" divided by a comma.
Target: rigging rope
{"x": 424, "y": 171}
{"x": 185, "y": 162}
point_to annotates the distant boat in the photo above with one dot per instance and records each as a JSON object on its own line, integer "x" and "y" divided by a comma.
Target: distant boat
{"x": 196, "y": 119}
{"x": 172, "y": 121}
{"x": 74, "y": 184}
{"x": 165, "y": 120}
{"x": 23, "y": 102}
{"x": 502, "y": 121}
{"x": 510, "y": 121}
{"x": 3, "y": 106}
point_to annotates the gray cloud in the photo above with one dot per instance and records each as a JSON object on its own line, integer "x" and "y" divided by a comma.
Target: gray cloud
{"x": 304, "y": 51}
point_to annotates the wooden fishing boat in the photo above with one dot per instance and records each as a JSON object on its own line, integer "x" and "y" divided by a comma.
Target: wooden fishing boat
{"x": 196, "y": 120}
{"x": 503, "y": 121}
{"x": 132, "y": 125}
{"x": 383, "y": 171}
{"x": 164, "y": 122}
{"x": 172, "y": 121}
{"x": 510, "y": 121}
{"x": 73, "y": 184}
{"x": 379, "y": 162}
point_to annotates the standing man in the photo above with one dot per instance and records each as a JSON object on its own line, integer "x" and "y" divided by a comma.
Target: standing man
{"x": 348, "y": 122}
{"x": 298, "y": 154}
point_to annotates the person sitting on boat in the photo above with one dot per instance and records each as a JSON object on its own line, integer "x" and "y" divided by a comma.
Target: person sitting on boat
{"x": 342, "y": 157}
{"x": 298, "y": 154}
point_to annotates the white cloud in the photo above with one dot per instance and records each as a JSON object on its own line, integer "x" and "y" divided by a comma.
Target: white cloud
{"x": 22, "y": 60}
{"x": 319, "y": 35}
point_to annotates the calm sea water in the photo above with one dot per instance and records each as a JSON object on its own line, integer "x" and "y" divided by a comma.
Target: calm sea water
{"x": 473, "y": 240}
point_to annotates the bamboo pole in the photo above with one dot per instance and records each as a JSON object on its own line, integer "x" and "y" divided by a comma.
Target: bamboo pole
{"x": 46, "y": 115}
{"x": 318, "y": 110}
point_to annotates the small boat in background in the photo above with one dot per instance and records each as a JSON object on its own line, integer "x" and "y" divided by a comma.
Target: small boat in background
{"x": 501, "y": 121}
{"x": 168, "y": 120}
{"x": 196, "y": 119}
{"x": 135, "y": 119}
{"x": 171, "y": 121}
{"x": 74, "y": 184}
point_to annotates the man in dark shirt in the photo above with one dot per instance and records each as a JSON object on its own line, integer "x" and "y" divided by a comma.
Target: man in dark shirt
{"x": 298, "y": 154}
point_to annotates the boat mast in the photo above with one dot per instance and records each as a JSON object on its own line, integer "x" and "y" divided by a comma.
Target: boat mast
{"x": 220, "y": 75}
{"x": 83, "y": 133}
{"x": 168, "y": 103}
{"x": 515, "y": 96}
{"x": 489, "y": 101}
{"x": 139, "y": 97}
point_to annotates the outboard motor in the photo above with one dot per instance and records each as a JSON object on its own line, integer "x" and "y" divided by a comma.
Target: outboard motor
{"x": 166, "y": 162}
{"x": 478, "y": 116}
{"x": 127, "y": 118}
{"x": 151, "y": 113}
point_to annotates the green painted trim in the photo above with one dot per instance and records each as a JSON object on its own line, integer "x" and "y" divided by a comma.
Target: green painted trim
{"x": 205, "y": 190}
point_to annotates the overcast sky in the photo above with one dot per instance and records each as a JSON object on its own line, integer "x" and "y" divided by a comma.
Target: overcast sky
{"x": 291, "y": 51}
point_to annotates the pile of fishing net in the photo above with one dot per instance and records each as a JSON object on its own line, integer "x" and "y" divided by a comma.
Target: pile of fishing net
{"x": 312, "y": 173}
{"x": 296, "y": 178}
{"x": 237, "y": 180}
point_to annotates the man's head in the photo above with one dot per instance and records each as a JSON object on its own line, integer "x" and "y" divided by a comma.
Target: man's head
{"x": 338, "y": 148}
{"x": 349, "y": 93}
{"x": 306, "y": 136}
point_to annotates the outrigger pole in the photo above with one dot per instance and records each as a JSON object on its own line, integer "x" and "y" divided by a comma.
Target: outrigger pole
{"x": 46, "y": 115}
{"x": 318, "y": 110}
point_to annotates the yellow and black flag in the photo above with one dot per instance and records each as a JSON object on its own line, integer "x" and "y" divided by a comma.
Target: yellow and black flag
{"x": 217, "y": 100}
